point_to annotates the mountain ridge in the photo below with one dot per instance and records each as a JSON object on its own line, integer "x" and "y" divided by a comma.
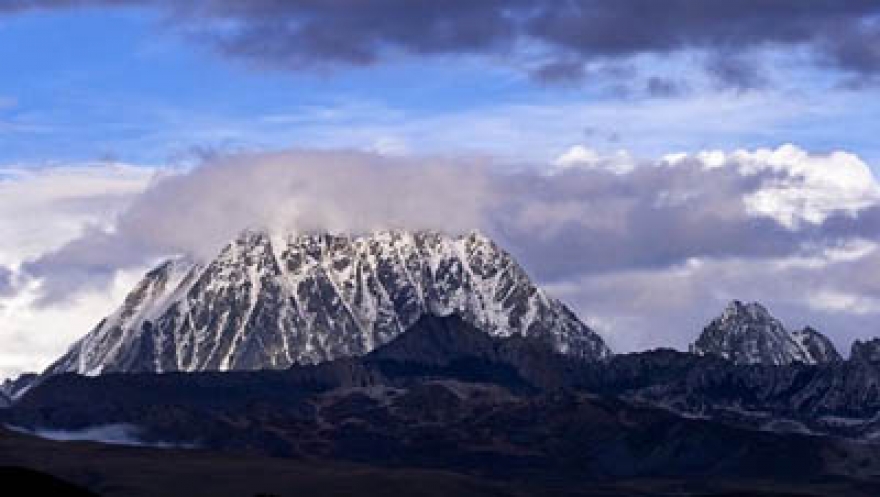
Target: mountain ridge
{"x": 838, "y": 398}
{"x": 446, "y": 395}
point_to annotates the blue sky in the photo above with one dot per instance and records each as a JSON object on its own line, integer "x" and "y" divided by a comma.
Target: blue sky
{"x": 98, "y": 83}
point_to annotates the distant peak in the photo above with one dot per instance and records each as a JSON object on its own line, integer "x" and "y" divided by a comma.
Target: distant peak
{"x": 747, "y": 333}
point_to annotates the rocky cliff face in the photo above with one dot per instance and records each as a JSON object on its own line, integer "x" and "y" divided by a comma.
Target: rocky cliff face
{"x": 816, "y": 346}
{"x": 748, "y": 334}
{"x": 269, "y": 301}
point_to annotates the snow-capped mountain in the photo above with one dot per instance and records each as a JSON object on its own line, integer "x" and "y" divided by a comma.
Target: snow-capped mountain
{"x": 748, "y": 334}
{"x": 269, "y": 301}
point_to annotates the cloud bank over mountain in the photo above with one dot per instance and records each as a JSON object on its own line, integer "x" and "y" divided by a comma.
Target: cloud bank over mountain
{"x": 644, "y": 250}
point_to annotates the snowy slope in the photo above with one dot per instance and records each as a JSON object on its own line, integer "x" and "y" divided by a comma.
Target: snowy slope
{"x": 269, "y": 301}
{"x": 816, "y": 345}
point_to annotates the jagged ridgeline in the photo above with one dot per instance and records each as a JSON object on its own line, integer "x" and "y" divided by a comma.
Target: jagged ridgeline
{"x": 270, "y": 301}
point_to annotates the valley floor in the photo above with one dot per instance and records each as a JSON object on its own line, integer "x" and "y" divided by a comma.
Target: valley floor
{"x": 116, "y": 471}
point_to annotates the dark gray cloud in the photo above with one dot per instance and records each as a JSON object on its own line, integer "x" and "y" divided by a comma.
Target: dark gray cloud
{"x": 856, "y": 47}
{"x": 561, "y": 71}
{"x": 657, "y": 86}
{"x": 87, "y": 262}
{"x": 738, "y": 71}
{"x": 293, "y": 34}
{"x": 5, "y": 281}
{"x": 593, "y": 221}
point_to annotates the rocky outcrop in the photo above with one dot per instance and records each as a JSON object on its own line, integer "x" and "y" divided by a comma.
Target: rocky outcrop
{"x": 15, "y": 387}
{"x": 816, "y": 346}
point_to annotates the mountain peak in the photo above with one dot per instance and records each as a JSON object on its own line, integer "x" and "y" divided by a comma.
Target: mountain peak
{"x": 270, "y": 301}
{"x": 749, "y": 334}
{"x": 754, "y": 311}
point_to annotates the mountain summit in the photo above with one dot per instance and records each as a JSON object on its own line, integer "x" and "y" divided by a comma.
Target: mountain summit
{"x": 270, "y": 301}
{"x": 748, "y": 334}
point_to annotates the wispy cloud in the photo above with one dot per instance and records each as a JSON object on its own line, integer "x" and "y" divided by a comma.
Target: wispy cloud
{"x": 112, "y": 434}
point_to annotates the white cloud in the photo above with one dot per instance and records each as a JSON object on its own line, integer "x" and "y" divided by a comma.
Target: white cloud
{"x": 580, "y": 156}
{"x": 812, "y": 186}
{"x": 42, "y": 208}
{"x": 389, "y": 145}
{"x": 34, "y": 335}
{"x": 799, "y": 187}
{"x": 539, "y": 130}
{"x": 841, "y": 301}
{"x": 802, "y": 187}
